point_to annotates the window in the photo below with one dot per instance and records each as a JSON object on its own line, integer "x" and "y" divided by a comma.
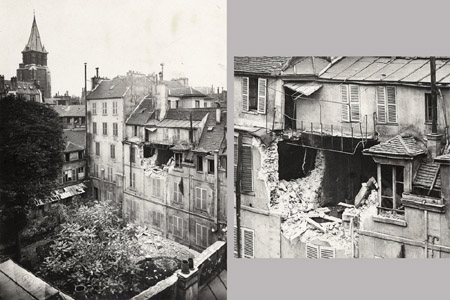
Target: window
{"x": 156, "y": 191}
{"x": 254, "y": 94}
{"x": 197, "y": 104}
{"x": 205, "y": 104}
{"x": 109, "y": 195}
{"x": 113, "y": 151}
{"x": 97, "y": 148}
{"x": 177, "y": 196}
{"x": 94, "y": 128}
{"x": 105, "y": 108}
{"x": 392, "y": 186}
{"x": 176, "y": 135}
{"x": 156, "y": 218}
{"x": 114, "y": 108}
{"x": 200, "y": 163}
{"x": 95, "y": 170}
{"x": 350, "y": 109}
{"x": 105, "y": 128}
{"x": 133, "y": 181}
{"x": 80, "y": 154}
{"x": 132, "y": 154}
{"x": 176, "y": 226}
{"x": 177, "y": 104}
{"x": 201, "y": 233}
{"x": 94, "y": 108}
{"x": 170, "y": 103}
{"x": 211, "y": 166}
{"x": 80, "y": 172}
{"x": 67, "y": 155}
{"x": 313, "y": 251}
{"x": 135, "y": 130}
{"x": 430, "y": 108}
{"x": 178, "y": 160}
{"x": 115, "y": 131}
{"x": 110, "y": 174}
{"x": 165, "y": 134}
{"x": 200, "y": 198}
{"x": 386, "y": 104}
{"x": 247, "y": 243}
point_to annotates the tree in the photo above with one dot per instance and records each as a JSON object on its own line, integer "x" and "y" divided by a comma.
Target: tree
{"x": 31, "y": 145}
{"x": 97, "y": 250}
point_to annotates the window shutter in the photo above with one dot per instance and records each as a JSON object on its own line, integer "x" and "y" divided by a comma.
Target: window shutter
{"x": 170, "y": 227}
{"x": 235, "y": 242}
{"x": 235, "y": 163}
{"x": 245, "y": 104}
{"x": 327, "y": 252}
{"x": 248, "y": 243}
{"x": 153, "y": 221}
{"x": 354, "y": 103}
{"x": 381, "y": 104}
{"x": 345, "y": 110}
{"x": 392, "y": 104}
{"x": 262, "y": 95}
{"x": 198, "y": 234}
{"x": 246, "y": 179}
{"x": 185, "y": 229}
{"x": 204, "y": 199}
{"x": 312, "y": 251}
{"x": 205, "y": 237}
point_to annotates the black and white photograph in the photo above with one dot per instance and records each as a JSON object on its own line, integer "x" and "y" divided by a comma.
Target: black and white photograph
{"x": 113, "y": 180}
{"x": 341, "y": 156}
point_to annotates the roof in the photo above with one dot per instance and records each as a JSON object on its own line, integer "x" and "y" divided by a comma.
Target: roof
{"x": 398, "y": 145}
{"x": 269, "y": 65}
{"x": 111, "y": 88}
{"x": 443, "y": 158}
{"x": 168, "y": 123}
{"x": 184, "y": 113}
{"x": 172, "y": 84}
{"x": 306, "y": 65}
{"x": 23, "y": 87}
{"x": 34, "y": 42}
{"x": 75, "y": 140}
{"x": 304, "y": 89}
{"x": 216, "y": 289}
{"x": 211, "y": 140}
{"x": 143, "y": 112}
{"x": 17, "y": 283}
{"x": 70, "y": 110}
{"x": 185, "y": 92}
{"x": 426, "y": 174}
{"x": 415, "y": 70}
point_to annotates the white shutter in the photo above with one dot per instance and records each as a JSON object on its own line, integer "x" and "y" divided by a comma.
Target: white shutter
{"x": 327, "y": 252}
{"x": 354, "y": 103}
{"x": 248, "y": 243}
{"x": 245, "y": 88}
{"x": 312, "y": 251}
{"x": 391, "y": 104}
{"x": 262, "y": 95}
{"x": 345, "y": 111}
{"x": 381, "y": 104}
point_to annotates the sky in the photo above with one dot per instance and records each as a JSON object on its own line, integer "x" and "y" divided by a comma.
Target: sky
{"x": 189, "y": 37}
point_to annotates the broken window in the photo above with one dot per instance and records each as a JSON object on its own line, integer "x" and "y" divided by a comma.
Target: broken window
{"x": 430, "y": 109}
{"x": 201, "y": 233}
{"x": 178, "y": 160}
{"x": 314, "y": 251}
{"x": 199, "y": 163}
{"x": 200, "y": 198}
{"x": 247, "y": 242}
{"x": 177, "y": 196}
{"x": 254, "y": 94}
{"x": 211, "y": 166}
{"x": 148, "y": 151}
{"x": 386, "y": 104}
{"x": 350, "y": 109}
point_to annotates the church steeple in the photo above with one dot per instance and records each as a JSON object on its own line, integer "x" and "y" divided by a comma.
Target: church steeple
{"x": 34, "y": 42}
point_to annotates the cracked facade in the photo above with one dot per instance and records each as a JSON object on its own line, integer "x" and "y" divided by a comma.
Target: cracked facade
{"x": 339, "y": 157}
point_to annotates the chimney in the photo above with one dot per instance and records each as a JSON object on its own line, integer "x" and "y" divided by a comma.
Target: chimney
{"x": 434, "y": 144}
{"x": 434, "y": 139}
{"x": 96, "y": 72}
{"x": 2, "y": 83}
{"x": 218, "y": 113}
{"x": 187, "y": 283}
{"x": 161, "y": 74}
{"x": 218, "y": 90}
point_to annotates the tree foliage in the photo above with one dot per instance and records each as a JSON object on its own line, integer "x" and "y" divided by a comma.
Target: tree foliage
{"x": 94, "y": 248}
{"x": 31, "y": 143}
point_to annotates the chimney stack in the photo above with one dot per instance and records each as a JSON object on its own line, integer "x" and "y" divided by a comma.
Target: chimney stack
{"x": 96, "y": 72}
{"x": 434, "y": 139}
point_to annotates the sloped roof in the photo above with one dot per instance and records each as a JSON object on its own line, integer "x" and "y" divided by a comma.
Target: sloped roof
{"x": 23, "y": 87}
{"x": 306, "y": 65}
{"x": 184, "y": 113}
{"x": 34, "y": 42}
{"x": 269, "y": 65}
{"x": 398, "y": 145}
{"x": 172, "y": 84}
{"x": 443, "y": 158}
{"x": 75, "y": 140}
{"x": 185, "y": 92}
{"x": 169, "y": 123}
{"x": 111, "y": 88}
{"x": 425, "y": 176}
{"x": 143, "y": 113}
{"x": 70, "y": 110}
{"x": 211, "y": 140}
{"x": 412, "y": 70}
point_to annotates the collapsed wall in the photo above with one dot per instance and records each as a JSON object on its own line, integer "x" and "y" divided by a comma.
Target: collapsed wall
{"x": 151, "y": 169}
{"x": 269, "y": 167}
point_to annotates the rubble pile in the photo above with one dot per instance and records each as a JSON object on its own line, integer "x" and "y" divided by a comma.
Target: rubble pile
{"x": 269, "y": 167}
{"x": 151, "y": 169}
{"x": 300, "y": 195}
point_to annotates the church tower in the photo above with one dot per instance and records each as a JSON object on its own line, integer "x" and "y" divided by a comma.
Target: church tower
{"x": 34, "y": 63}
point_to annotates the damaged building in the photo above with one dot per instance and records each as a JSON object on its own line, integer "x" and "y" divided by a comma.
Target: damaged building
{"x": 309, "y": 139}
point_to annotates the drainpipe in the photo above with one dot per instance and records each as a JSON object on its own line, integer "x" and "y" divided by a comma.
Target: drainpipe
{"x": 426, "y": 233}
{"x": 216, "y": 188}
{"x": 238, "y": 195}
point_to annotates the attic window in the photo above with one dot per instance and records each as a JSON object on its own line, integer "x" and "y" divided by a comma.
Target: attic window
{"x": 112, "y": 87}
{"x": 210, "y": 128}
{"x": 143, "y": 110}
